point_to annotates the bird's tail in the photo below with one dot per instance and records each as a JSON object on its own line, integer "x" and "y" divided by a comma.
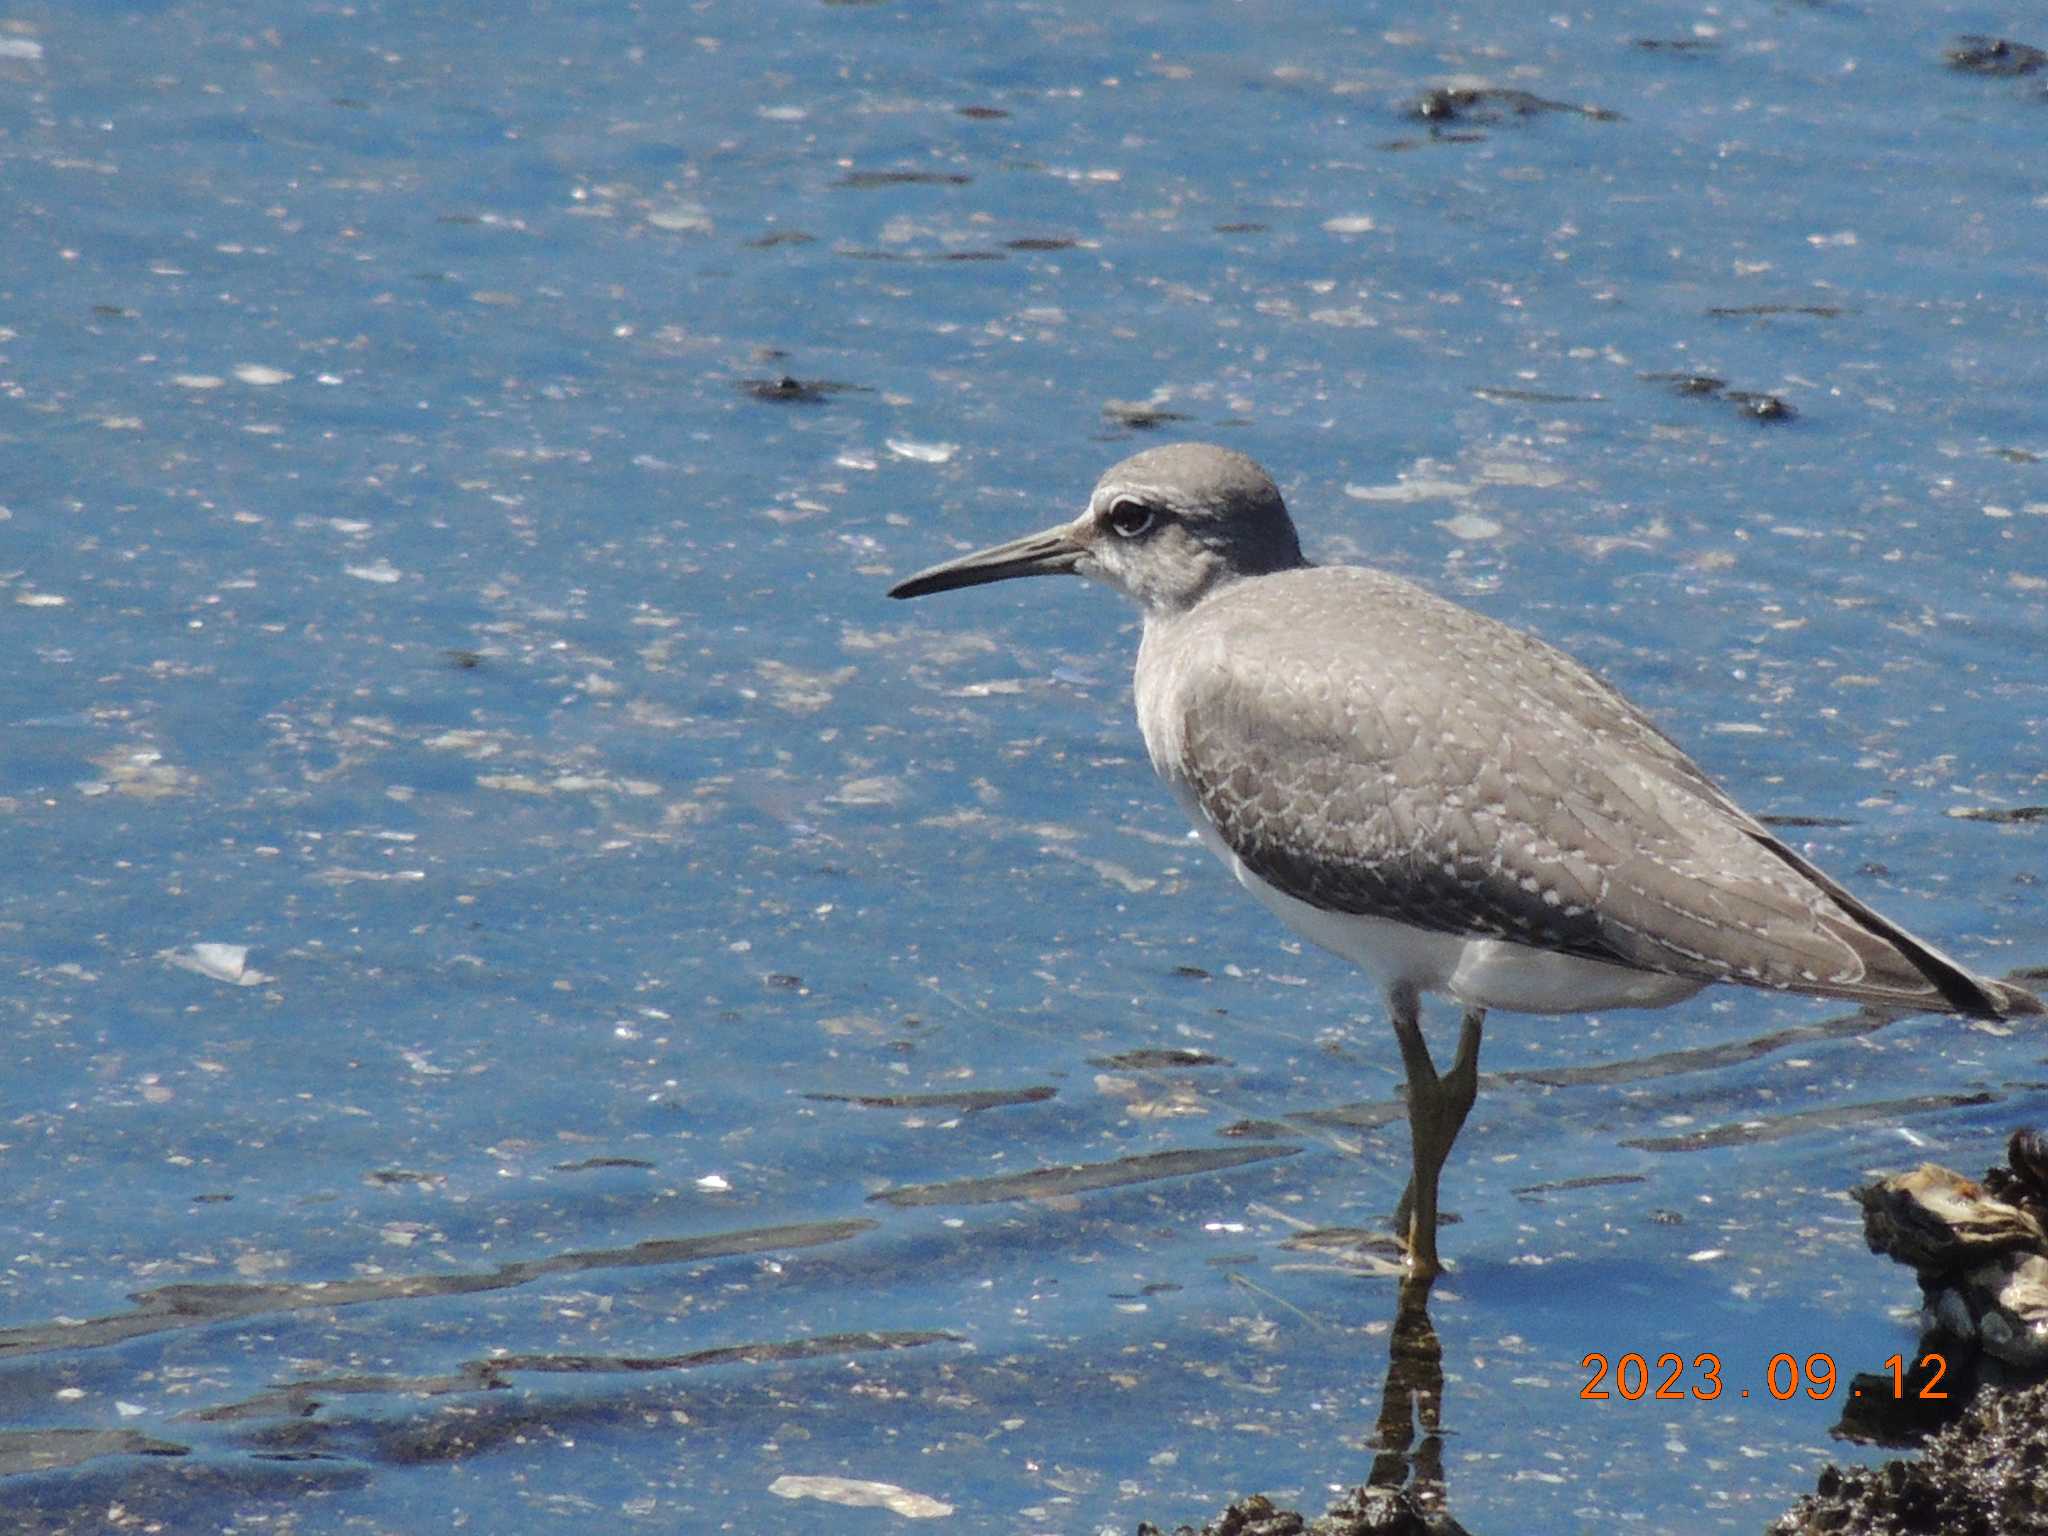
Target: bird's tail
{"x": 2011, "y": 1001}
{"x": 1963, "y": 991}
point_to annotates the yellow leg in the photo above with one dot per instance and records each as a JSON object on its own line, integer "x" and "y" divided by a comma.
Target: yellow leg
{"x": 1437, "y": 1107}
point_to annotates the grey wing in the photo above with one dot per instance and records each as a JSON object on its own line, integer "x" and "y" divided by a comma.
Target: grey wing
{"x": 1500, "y": 789}
{"x": 1355, "y": 794}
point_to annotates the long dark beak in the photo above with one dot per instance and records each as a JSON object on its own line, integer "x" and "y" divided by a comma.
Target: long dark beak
{"x": 1051, "y": 553}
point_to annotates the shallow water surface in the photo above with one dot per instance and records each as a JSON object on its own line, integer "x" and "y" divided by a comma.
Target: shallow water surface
{"x": 542, "y": 999}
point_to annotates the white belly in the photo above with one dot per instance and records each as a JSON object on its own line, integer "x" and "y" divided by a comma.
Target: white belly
{"x": 1479, "y": 973}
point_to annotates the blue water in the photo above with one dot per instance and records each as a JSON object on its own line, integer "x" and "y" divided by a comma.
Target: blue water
{"x": 408, "y": 595}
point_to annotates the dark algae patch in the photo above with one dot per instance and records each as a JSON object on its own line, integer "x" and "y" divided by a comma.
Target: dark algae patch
{"x": 1149, "y": 1057}
{"x": 1761, "y": 407}
{"x": 1760, "y": 1128}
{"x": 1998, "y": 57}
{"x": 1493, "y": 104}
{"x": 788, "y": 389}
{"x": 1139, "y": 415}
{"x": 299, "y": 1398}
{"x": 863, "y": 179}
{"x": 1767, "y": 311}
{"x": 1079, "y": 1178}
{"x": 45, "y": 1450}
{"x": 966, "y": 1100}
{"x": 199, "y": 1305}
{"x": 1754, "y": 404}
{"x": 1511, "y": 393}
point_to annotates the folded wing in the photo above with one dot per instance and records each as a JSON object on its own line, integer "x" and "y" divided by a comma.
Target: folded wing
{"x": 1500, "y": 789}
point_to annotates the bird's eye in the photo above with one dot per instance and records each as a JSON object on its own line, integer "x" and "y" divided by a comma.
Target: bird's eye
{"x": 1131, "y": 519}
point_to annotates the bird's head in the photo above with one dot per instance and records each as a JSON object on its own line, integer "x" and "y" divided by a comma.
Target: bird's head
{"x": 1165, "y": 527}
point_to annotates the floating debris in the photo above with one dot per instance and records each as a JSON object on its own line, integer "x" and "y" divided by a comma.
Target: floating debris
{"x": 1761, "y": 406}
{"x": 1765, "y": 311}
{"x": 217, "y": 962}
{"x": 1999, "y": 813}
{"x": 1585, "y": 1181}
{"x": 1258, "y": 1130}
{"x": 1376, "y": 1253}
{"x": 1491, "y": 104}
{"x": 1436, "y": 136}
{"x": 859, "y": 179}
{"x": 966, "y": 1100}
{"x": 1997, "y": 57}
{"x": 854, "y": 1493}
{"x": 788, "y": 389}
{"x": 1140, "y": 415}
{"x": 1752, "y": 403}
{"x": 1688, "y": 383}
{"x": 1534, "y": 396}
{"x": 1150, "y": 1058}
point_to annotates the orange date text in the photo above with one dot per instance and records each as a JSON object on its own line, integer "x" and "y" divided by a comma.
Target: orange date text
{"x": 1671, "y": 1377}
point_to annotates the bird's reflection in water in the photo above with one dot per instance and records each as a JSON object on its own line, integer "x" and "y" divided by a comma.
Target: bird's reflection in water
{"x": 1407, "y": 1479}
{"x": 1405, "y": 1493}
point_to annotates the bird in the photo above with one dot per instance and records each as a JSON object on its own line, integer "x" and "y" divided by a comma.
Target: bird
{"x": 1448, "y": 802}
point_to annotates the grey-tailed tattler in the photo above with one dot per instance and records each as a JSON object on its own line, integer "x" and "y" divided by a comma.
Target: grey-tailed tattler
{"x": 1450, "y": 803}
